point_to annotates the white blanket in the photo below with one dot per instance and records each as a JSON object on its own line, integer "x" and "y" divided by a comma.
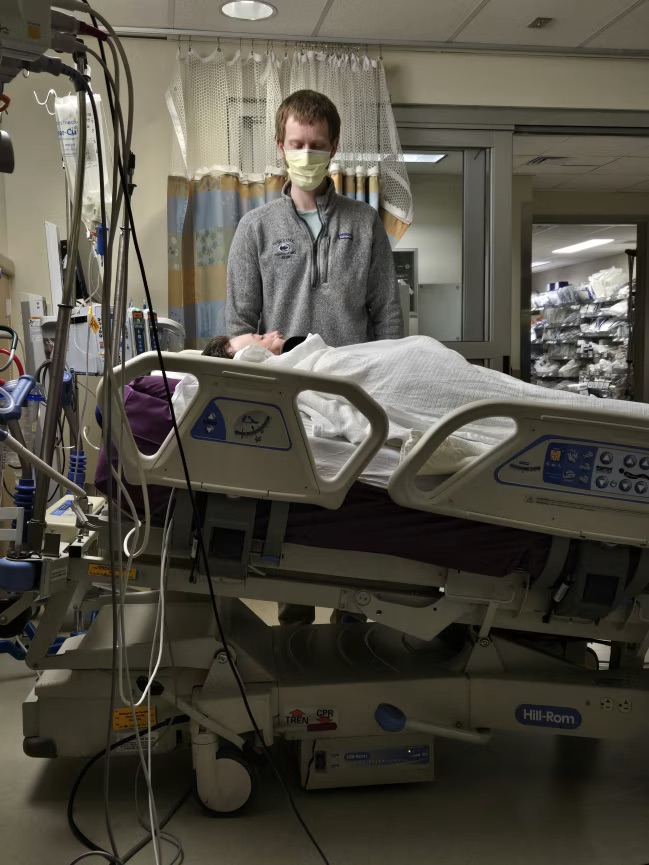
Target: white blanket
{"x": 417, "y": 380}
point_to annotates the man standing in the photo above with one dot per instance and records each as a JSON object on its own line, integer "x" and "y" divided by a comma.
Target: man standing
{"x": 312, "y": 261}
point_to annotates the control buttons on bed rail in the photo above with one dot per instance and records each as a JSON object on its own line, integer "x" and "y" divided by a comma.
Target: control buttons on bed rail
{"x": 607, "y": 470}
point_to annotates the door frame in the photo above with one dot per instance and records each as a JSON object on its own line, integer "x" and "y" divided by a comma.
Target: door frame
{"x": 495, "y": 347}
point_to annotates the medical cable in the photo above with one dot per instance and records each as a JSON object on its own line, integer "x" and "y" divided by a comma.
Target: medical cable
{"x": 40, "y": 465}
{"x": 108, "y": 856}
{"x": 5, "y": 331}
{"x": 119, "y": 165}
{"x": 203, "y": 552}
{"x": 78, "y": 834}
{"x": 110, "y": 382}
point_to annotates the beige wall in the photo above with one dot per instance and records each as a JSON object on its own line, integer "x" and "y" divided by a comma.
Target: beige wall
{"x": 4, "y": 244}
{"x": 600, "y": 204}
{"x": 418, "y": 78}
{"x": 437, "y": 230}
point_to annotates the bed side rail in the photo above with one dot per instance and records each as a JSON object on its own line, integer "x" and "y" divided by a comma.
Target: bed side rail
{"x": 577, "y": 472}
{"x": 242, "y": 434}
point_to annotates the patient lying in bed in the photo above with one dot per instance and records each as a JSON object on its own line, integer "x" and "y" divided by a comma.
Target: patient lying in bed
{"x": 416, "y": 380}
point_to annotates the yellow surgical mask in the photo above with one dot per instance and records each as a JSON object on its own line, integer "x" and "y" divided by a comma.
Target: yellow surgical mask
{"x": 307, "y": 168}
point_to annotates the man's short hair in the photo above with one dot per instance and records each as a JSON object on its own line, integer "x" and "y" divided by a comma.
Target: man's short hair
{"x": 219, "y": 346}
{"x": 308, "y": 106}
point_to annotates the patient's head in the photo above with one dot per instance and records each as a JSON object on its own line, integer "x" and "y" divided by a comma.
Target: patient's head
{"x": 227, "y": 347}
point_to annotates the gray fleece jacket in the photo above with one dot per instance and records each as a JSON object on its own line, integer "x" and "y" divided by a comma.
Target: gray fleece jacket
{"x": 342, "y": 286}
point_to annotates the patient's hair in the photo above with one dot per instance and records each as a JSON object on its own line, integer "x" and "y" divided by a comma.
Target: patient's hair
{"x": 219, "y": 346}
{"x": 307, "y": 106}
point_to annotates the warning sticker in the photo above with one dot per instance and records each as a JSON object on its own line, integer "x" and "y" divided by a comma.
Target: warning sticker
{"x": 92, "y": 321}
{"x": 314, "y": 719}
{"x": 104, "y": 571}
{"x": 123, "y": 718}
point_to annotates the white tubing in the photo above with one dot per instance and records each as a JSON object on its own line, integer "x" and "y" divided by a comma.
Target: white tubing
{"x": 41, "y": 466}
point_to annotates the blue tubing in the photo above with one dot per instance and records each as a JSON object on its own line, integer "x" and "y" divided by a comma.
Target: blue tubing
{"x": 24, "y": 498}
{"x": 7, "y": 647}
{"x": 77, "y": 467}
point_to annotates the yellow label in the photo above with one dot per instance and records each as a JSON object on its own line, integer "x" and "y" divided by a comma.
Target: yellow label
{"x": 92, "y": 321}
{"x": 123, "y": 718}
{"x": 103, "y": 571}
{"x": 33, "y": 30}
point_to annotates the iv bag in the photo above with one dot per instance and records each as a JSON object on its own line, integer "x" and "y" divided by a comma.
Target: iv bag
{"x": 67, "y": 122}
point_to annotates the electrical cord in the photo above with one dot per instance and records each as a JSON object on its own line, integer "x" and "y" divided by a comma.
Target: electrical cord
{"x": 78, "y": 834}
{"x": 124, "y": 186}
{"x": 107, "y": 856}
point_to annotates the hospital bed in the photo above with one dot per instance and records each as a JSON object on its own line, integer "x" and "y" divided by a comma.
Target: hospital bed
{"x": 558, "y": 514}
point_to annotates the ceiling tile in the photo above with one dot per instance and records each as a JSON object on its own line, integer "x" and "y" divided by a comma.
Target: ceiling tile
{"x": 143, "y": 13}
{"x": 553, "y": 168}
{"x": 632, "y": 31}
{"x": 639, "y": 187}
{"x": 596, "y": 145}
{"x": 506, "y": 21}
{"x": 414, "y": 20}
{"x": 548, "y": 181}
{"x": 535, "y": 144}
{"x": 607, "y": 182}
{"x": 626, "y": 165}
{"x": 293, "y": 18}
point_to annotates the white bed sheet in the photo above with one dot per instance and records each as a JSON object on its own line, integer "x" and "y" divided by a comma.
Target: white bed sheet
{"x": 331, "y": 454}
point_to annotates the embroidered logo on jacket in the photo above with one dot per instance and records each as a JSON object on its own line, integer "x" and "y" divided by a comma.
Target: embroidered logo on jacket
{"x": 284, "y": 248}
{"x": 345, "y": 235}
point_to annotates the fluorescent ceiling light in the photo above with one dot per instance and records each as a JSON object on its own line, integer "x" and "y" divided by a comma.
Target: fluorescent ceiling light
{"x": 539, "y": 263}
{"x": 579, "y": 247}
{"x": 248, "y": 10}
{"x": 423, "y": 157}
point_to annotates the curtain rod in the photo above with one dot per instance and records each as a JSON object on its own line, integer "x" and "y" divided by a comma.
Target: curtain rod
{"x": 174, "y": 34}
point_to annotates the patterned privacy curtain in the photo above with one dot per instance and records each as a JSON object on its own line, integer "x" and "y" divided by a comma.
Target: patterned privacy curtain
{"x": 226, "y": 161}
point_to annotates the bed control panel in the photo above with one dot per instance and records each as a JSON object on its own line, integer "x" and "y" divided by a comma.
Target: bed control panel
{"x": 595, "y": 469}
{"x": 585, "y": 467}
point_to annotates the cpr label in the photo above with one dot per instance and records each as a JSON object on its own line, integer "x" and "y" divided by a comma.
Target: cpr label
{"x": 558, "y": 717}
{"x": 303, "y": 717}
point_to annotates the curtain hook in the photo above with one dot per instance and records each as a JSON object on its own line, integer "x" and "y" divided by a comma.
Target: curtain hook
{"x": 190, "y": 44}
{"x": 381, "y": 53}
{"x": 218, "y": 44}
{"x": 286, "y": 49}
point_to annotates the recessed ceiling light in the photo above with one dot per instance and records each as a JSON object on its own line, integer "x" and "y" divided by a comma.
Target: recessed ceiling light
{"x": 248, "y": 10}
{"x": 579, "y": 247}
{"x": 539, "y": 263}
{"x": 423, "y": 157}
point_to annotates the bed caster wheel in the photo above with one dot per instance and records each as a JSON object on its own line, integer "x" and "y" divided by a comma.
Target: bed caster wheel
{"x": 223, "y": 779}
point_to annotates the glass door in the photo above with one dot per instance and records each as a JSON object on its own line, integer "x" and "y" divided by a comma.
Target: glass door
{"x": 461, "y": 182}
